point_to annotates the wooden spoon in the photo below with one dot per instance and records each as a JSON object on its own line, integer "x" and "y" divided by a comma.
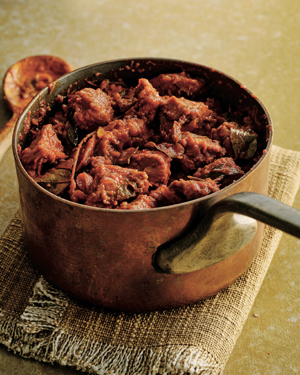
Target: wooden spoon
{"x": 22, "y": 82}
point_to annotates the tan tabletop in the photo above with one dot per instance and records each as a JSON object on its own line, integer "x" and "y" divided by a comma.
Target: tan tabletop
{"x": 256, "y": 42}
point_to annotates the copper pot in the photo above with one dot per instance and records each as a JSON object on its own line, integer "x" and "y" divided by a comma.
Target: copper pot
{"x": 141, "y": 260}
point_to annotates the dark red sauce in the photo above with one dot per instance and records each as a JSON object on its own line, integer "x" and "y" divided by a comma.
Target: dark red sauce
{"x": 160, "y": 142}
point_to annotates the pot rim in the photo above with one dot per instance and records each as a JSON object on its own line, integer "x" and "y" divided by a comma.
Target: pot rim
{"x": 44, "y": 91}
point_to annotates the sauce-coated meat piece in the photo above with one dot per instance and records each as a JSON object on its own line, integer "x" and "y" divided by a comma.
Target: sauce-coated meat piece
{"x": 184, "y": 110}
{"x": 219, "y": 169}
{"x": 122, "y": 97}
{"x": 46, "y": 147}
{"x": 199, "y": 150}
{"x": 84, "y": 182}
{"x": 159, "y": 199}
{"x": 155, "y": 163}
{"x": 135, "y": 127}
{"x": 222, "y": 134}
{"x": 121, "y": 134}
{"x": 59, "y": 123}
{"x": 190, "y": 115}
{"x": 140, "y": 203}
{"x": 111, "y": 142}
{"x": 92, "y": 108}
{"x": 97, "y": 160}
{"x": 240, "y": 141}
{"x": 126, "y": 155}
{"x": 148, "y": 100}
{"x": 185, "y": 190}
{"x": 178, "y": 84}
{"x": 113, "y": 184}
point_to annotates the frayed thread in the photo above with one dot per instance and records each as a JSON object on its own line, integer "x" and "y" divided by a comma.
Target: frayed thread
{"x": 38, "y": 335}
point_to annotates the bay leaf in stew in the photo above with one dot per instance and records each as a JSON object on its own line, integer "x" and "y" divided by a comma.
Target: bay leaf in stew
{"x": 244, "y": 142}
{"x": 55, "y": 180}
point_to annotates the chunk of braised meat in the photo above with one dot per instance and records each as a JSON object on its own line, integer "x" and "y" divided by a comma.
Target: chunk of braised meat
{"x": 159, "y": 199}
{"x": 111, "y": 143}
{"x": 92, "y": 108}
{"x": 183, "y": 110}
{"x": 178, "y": 84}
{"x": 240, "y": 142}
{"x": 191, "y": 116}
{"x": 122, "y": 97}
{"x": 126, "y": 155}
{"x": 185, "y": 190}
{"x": 148, "y": 101}
{"x": 175, "y": 133}
{"x": 135, "y": 127}
{"x": 155, "y": 163}
{"x": 59, "y": 122}
{"x": 77, "y": 195}
{"x": 140, "y": 203}
{"x": 199, "y": 150}
{"x": 46, "y": 147}
{"x": 113, "y": 184}
{"x": 222, "y": 170}
{"x": 78, "y": 190}
{"x": 222, "y": 134}
{"x": 84, "y": 182}
{"x": 97, "y": 160}
{"x": 121, "y": 134}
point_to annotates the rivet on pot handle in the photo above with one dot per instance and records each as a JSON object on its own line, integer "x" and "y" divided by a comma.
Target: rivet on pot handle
{"x": 220, "y": 234}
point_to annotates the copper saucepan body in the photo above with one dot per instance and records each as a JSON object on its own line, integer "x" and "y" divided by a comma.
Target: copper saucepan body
{"x": 142, "y": 260}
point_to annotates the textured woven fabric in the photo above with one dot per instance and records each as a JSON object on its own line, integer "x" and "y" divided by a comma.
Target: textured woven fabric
{"x": 41, "y": 322}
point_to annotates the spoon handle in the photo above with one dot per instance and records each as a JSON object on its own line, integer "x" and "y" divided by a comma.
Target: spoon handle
{"x": 6, "y": 134}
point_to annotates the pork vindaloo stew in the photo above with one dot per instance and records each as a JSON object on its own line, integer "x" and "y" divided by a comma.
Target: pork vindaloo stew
{"x": 163, "y": 141}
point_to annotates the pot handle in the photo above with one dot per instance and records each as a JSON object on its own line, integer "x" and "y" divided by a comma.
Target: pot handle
{"x": 227, "y": 227}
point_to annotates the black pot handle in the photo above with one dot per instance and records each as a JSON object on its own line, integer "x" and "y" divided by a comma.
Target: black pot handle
{"x": 227, "y": 227}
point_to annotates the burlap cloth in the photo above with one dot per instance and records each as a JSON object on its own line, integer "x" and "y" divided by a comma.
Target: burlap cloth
{"x": 41, "y": 322}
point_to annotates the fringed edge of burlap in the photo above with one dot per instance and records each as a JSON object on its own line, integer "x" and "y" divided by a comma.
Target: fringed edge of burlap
{"x": 37, "y": 335}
